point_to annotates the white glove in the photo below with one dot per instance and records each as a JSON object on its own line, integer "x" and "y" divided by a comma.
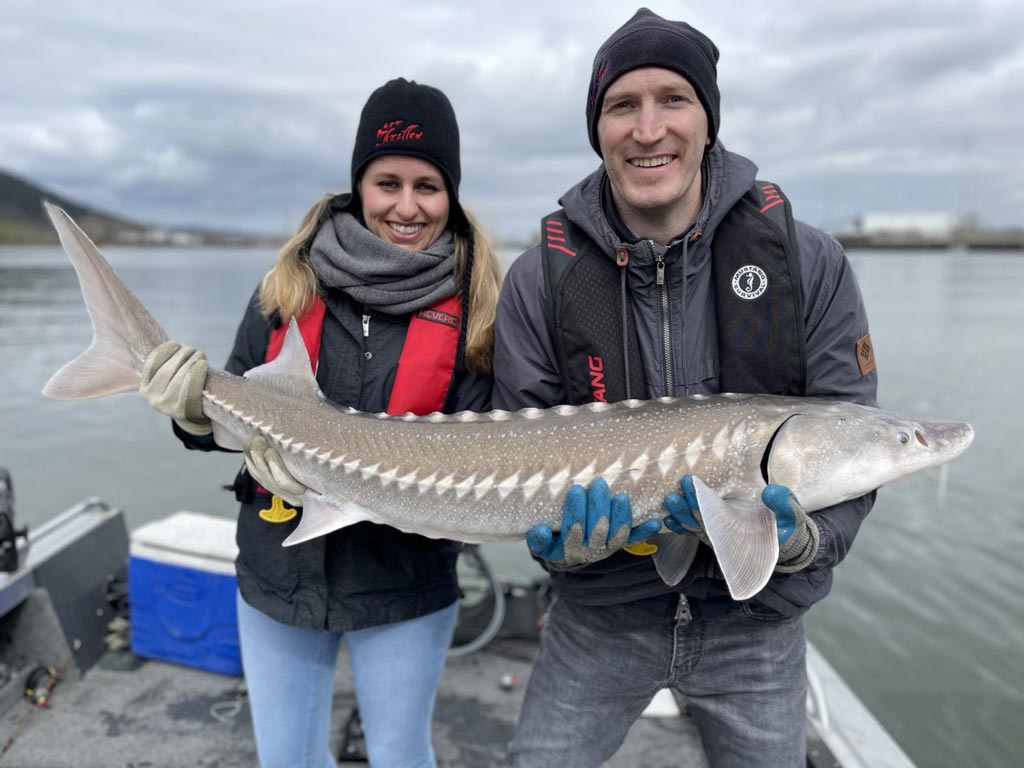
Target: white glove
{"x": 268, "y": 469}
{"x": 173, "y": 378}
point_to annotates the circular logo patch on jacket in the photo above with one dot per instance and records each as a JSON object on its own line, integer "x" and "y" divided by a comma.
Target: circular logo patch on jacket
{"x": 749, "y": 282}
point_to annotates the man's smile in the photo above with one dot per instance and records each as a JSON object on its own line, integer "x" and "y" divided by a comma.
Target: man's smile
{"x": 651, "y": 162}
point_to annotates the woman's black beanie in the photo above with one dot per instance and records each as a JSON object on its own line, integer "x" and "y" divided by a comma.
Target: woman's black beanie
{"x": 403, "y": 117}
{"x": 648, "y": 40}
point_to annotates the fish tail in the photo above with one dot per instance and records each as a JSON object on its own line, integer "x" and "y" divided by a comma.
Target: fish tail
{"x": 124, "y": 332}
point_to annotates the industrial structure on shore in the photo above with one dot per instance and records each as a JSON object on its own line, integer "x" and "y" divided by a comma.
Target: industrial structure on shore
{"x": 927, "y": 231}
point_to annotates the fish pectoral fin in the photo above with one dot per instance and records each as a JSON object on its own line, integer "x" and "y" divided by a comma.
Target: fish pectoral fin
{"x": 743, "y": 534}
{"x": 674, "y": 556}
{"x": 320, "y": 517}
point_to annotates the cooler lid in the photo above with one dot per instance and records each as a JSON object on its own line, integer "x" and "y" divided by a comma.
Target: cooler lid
{"x": 191, "y": 539}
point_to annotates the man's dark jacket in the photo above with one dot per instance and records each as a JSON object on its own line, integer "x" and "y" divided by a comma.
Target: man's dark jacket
{"x": 527, "y": 372}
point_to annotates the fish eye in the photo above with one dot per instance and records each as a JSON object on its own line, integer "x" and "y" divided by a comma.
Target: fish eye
{"x": 903, "y": 437}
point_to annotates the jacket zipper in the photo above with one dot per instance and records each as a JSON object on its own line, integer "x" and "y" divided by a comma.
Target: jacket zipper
{"x": 366, "y": 334}
{"x": 663, "y": 315}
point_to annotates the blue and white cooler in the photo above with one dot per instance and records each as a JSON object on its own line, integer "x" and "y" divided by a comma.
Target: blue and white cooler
{"x": 181, "y": 591}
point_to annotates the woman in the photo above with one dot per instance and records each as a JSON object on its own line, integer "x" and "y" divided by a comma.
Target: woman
{"x": 394, "y": 289}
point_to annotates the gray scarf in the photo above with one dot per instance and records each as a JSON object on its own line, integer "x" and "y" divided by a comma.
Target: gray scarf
{"x": 378, "y": 274}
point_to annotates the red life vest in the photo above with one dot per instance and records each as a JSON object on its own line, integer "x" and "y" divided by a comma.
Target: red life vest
{"x": 425, "y": 366}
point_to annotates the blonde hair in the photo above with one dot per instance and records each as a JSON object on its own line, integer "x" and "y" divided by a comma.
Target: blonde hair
{"x": 290, "y": 285}
{"x": 483, "y": 296}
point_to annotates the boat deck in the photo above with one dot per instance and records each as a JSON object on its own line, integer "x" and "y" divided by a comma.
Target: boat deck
{"x": 127, "y": 712}
{"x": 123, "y": 711}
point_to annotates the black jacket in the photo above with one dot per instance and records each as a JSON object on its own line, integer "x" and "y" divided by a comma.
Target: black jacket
{"x": 367, "y": 574}
{"x": 527, "y": 370}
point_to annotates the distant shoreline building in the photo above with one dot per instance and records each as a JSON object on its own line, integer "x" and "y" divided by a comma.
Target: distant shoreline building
{"x": 932, "y": 229}
{"x": 932, "y": 225}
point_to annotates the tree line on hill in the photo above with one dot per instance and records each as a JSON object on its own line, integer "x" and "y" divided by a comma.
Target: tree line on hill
{"x": 23, "y": 221}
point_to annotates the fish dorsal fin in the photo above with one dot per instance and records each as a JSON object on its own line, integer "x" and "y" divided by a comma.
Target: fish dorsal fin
{"x": 743, "y": 534}
{"x": 320, "y": 517}
{"x": 291, "y": 369}
{"x": 674, "y": 556}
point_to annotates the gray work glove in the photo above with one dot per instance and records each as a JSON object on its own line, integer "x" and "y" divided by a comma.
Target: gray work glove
{"x": 173, "y": 378}
{"x": 268, "y": 469}
{"x": 798, "y": 534}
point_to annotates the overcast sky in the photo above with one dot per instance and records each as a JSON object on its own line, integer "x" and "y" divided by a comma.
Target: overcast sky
{"x": 239, "y": 114}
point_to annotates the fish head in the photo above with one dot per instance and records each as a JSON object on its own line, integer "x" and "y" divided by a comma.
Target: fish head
{"x": 828, "y": 454}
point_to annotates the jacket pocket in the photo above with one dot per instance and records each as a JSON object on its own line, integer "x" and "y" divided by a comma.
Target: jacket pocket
{"x": 259, "y": 547}
{"x": 764, "y": 613}
{"x": 702, "y": 379}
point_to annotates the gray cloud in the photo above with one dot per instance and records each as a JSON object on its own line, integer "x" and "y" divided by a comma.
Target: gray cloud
{"x": 240, "y": 114}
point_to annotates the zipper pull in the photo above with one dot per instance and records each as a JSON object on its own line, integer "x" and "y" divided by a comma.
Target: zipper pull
{"x": 366, "y": 334}
{"x": 659, "y": 261}
{"x": 683, "y": 610}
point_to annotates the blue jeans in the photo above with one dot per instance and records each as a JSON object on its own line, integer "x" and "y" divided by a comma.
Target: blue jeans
{"x": 743, "y": 677}
{"x": 289, "y": 672}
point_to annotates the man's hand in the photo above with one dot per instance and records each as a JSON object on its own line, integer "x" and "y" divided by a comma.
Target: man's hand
{"x": 594, "y": 525}
{"x": 268, "y": 469}
{"x": 173, "y": 378}
{"x": 798, "y": 534}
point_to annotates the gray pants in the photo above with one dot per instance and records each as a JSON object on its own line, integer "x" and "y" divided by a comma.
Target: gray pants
{"x": 743, "y": 676}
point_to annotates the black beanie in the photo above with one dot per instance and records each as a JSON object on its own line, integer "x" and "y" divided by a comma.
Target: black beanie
{"x": 403, "y": 117}
{"x": 647, "y": 40}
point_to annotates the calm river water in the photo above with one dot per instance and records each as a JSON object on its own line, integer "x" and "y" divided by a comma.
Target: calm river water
{"x": 926, "y": 617}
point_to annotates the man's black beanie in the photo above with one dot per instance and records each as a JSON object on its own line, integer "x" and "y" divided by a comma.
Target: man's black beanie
{"x": 647, "y": 40}
{"x": 403, "y": 117}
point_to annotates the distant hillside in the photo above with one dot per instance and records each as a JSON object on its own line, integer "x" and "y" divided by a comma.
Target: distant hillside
{"x": 24, "y": 222}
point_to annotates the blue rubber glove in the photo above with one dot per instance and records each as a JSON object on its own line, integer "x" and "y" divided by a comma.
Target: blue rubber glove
{"x": 594, "y": 526}
{"x": 798, "y": 534}
{"x": 684, "y": 511}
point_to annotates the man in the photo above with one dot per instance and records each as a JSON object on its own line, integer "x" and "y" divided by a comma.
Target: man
{"x": 670, "y": 272}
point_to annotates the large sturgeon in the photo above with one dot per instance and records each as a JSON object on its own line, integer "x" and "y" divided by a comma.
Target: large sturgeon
{"x": 492, "y": 476}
